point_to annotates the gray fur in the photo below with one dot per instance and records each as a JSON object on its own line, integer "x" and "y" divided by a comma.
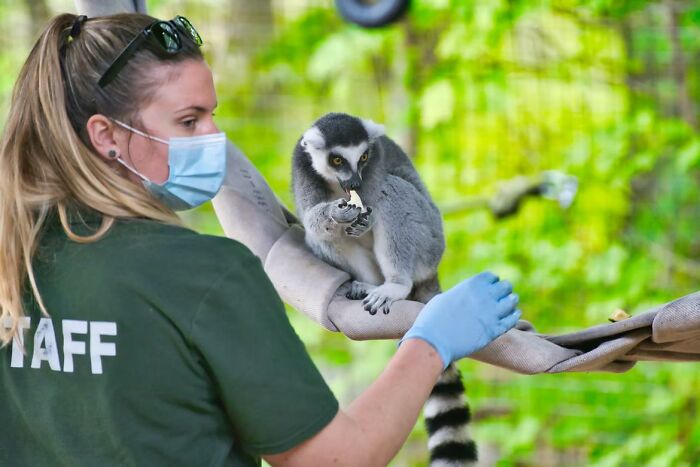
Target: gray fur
{"x": 395, "y": 247}
{"x": 392, "y": 251}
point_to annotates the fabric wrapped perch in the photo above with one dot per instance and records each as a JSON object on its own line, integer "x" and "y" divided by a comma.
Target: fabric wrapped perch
{"x": 249, "y": 212}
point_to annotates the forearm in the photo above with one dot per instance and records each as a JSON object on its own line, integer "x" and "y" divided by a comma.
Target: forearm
{"x": 375, "y": 426}
{"x": 317, "y": 220}
{"x": 387, "y": 411}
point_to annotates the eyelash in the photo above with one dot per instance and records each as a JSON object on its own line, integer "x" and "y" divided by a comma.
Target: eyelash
{"x": 186, "y": 123}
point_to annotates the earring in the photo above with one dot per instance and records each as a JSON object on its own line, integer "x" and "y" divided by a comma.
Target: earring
{"x": 112, "y": 154}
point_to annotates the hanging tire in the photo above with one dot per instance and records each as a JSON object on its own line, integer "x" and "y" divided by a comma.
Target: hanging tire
{"x": 372, "y": 15}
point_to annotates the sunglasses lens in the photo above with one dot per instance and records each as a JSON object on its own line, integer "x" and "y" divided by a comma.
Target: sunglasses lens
{"x": 185, "y": 24}
{"x": 167, "y": 36}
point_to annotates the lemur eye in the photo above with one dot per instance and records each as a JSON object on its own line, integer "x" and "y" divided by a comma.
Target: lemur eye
{"x": 337, "y": 161}
{"x": 364, "y": 157}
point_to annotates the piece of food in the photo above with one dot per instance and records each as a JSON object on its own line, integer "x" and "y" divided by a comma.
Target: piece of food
{"x": 356, "y": 201}
{"x": 618, "y": 315}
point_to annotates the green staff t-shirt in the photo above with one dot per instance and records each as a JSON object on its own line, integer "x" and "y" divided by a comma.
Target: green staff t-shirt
{"x": 163, "y": 347}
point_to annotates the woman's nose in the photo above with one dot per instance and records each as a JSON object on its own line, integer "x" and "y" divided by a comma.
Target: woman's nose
{"x": 210, "y": 128}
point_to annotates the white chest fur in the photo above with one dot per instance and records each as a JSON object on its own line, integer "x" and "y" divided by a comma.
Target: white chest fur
{"x": 359, "y": 255}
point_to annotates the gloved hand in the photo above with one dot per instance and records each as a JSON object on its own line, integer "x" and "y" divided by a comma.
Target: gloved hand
{"x": 467, "y": 317}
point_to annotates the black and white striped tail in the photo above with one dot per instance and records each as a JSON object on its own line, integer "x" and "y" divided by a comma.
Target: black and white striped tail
{"x": 447, "y": 418}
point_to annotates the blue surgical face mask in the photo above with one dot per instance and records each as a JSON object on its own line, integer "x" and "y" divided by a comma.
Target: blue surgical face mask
{"x": 197, "y": 168}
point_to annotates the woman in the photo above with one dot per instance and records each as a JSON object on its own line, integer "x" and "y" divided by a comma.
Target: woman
{"x": 130, "y": 340}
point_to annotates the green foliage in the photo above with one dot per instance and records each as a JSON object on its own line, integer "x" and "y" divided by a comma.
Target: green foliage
{"x": 478, "y": 93}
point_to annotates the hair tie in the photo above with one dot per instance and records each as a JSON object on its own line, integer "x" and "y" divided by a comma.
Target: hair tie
{"x": 75, "y": 29}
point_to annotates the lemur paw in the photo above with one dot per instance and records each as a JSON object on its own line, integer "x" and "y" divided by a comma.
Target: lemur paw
{"x": 358, "y": 290}
{"x": 383, "y": 296}
{"x": 361, "y": 224}
{"x": 344, "y": 213}
{"x": 376, "y": 303}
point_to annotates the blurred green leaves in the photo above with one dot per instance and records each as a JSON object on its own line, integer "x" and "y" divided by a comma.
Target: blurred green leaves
{"x": 437, "y": 104}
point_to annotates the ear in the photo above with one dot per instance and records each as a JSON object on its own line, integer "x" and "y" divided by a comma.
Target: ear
{"x": 102, "y": 133}
{"x": 314, "y": 138}
{"x": 374, "y": 130}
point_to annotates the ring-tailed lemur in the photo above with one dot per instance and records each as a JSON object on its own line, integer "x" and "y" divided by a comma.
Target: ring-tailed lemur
{"x": 392, "y": 249}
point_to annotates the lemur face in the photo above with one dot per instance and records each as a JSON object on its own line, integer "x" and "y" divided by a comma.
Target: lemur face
{"x": 341, "y": 164}
{"x": 340, "y": 148}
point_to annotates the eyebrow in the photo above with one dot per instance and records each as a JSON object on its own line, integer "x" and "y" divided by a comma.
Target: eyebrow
{"x": 196, "y": 108}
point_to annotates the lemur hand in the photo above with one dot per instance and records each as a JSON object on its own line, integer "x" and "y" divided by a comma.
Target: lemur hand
{"x": 342, "y": 212}
{"x": 362, "y": 223}
{"x": 467, "y": 317}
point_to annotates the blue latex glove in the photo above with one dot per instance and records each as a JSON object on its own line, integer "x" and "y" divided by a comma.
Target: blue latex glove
{"x": 467, "y": 317}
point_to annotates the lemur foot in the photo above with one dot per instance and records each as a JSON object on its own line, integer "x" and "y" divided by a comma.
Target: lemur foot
{"x": 383, "y": 296}
{"x": 361, "y": 224}
{"x": 359, "y": 290}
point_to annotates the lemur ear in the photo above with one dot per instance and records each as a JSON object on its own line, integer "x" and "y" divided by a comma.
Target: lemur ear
{"x": 314, "y": 138}
{"x": 374, "y": 130}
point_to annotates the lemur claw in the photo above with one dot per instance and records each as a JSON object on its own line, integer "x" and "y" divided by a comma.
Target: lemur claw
{"x": 360, "y": 224}
{"x": 382, "y": 297}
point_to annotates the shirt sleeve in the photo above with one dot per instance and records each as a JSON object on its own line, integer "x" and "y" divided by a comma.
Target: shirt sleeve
{"x": 272, "y": 392}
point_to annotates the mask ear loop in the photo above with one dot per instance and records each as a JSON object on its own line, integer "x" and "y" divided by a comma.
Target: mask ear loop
{"x": 139, "y": 132}
{"x": 112, "y": 154}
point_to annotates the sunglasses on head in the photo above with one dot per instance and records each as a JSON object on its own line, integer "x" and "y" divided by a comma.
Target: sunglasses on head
{"x": 165, "y": 35}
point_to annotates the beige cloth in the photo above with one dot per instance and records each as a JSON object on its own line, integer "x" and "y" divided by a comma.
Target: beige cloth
{"x": 250, "y": 213}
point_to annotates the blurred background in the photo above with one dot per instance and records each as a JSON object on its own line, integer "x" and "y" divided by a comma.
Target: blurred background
{"x": 477, "y": 93}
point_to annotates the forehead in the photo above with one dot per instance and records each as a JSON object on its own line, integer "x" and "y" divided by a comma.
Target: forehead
{"x": 351, "y": 152}
{"x": 342, "y": 130}
{"x": 183, "y": 84}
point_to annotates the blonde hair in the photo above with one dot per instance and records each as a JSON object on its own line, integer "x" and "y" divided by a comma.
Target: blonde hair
{"x": 47, "y": 163}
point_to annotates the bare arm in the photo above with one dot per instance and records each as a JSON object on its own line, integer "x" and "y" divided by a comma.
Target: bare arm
{"x": 452, "y": 325}
{"x": 372, "y": 430}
